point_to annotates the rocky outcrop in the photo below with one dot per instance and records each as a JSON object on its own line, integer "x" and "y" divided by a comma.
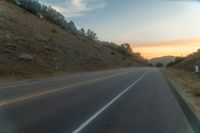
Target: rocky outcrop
{"x": 26, "y": 57}
{"x": 10, "y": 48}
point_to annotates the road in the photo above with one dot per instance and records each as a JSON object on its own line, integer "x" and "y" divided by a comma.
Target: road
{"x": 132, "y": 100}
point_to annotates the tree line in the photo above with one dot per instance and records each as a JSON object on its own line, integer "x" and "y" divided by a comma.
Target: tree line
{"x": 51, "y": 15}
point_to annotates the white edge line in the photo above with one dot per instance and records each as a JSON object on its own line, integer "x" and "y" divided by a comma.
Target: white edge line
{"x": 88, "y": 121}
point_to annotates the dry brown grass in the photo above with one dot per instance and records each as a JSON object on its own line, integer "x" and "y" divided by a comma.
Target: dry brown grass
{"x": 187, "y": 86}
{"x": 54, "y": 50}
{"x": 186, "y": 78}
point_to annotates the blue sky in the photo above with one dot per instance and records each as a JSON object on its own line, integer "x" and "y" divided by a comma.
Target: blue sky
{"x": 134, "y": 21}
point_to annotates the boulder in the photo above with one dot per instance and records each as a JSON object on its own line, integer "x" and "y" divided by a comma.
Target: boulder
{"x": 10, "y": 48}
{"x": 26, "y": 57}
{"x": 48, "y": 47}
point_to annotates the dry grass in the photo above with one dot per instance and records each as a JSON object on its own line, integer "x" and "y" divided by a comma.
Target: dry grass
{"x": 54, "y": 50}
{"x": 188, "y": 79}
{"x": 187, "y": 86}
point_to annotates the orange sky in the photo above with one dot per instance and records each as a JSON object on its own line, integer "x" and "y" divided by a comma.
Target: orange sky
{"x": 164, "y": 48}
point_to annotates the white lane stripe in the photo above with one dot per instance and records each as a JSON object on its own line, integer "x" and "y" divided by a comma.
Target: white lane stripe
{"x": 88, "y": 121}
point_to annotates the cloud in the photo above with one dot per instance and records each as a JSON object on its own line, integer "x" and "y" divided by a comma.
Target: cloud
{"x": 72, "y": 8}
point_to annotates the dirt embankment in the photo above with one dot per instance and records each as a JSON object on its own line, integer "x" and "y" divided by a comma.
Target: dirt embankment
{"x": 31, "y": 48}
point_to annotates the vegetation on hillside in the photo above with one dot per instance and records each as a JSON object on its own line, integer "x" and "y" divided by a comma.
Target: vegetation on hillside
{"x": 51, "y": 15}
{"x": 126, "y": 51}
{"x": 188, "y": 62}
{"x": 31, "y": 46}
{"x": 176, "y": 61}
{"x": 164, "y": 60}
{"x": 159, "y": 64}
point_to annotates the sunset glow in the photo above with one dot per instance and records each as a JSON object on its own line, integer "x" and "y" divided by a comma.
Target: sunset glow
{"x": 174, "y": 47}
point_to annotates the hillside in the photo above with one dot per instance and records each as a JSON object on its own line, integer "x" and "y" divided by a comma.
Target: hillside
{"x": 164, "y": 60}
{"x": 189, "y": 62}
{"x": 30, "y": 47}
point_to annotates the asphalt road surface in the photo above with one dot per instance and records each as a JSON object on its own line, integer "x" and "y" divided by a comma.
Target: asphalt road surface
{"x": 133, "y": 100}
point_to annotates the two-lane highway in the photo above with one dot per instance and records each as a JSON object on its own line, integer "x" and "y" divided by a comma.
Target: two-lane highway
{"x": 133, "y": 100}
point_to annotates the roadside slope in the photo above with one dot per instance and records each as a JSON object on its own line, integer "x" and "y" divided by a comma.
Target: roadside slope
{"x": 32, "y": 47}
{"x": 189, "y": 62}
{"x": 185, "y": 80}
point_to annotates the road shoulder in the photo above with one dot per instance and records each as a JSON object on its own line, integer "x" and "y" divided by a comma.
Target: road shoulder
{"x": 188, "y": 102}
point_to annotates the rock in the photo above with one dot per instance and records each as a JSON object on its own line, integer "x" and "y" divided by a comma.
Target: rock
{"x": 57, "y": 65}
{"x": 91, "y": 60}
{"x": 44, "y": 45}
{"x": 11, "y": 45}
{"x": 26, "y": 57}
{"x": 10, "y": 48}
{"x": 48, "y": 47}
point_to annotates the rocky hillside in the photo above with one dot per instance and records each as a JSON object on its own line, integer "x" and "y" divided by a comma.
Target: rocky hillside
{"x": 30, "y": 46}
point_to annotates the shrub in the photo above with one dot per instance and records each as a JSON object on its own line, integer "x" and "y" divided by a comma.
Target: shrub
{"x": 159, "y": 64}
{"x": 177, "y": 60}
{"x": 51, "y": 15}
{"x": 53, "y": 31}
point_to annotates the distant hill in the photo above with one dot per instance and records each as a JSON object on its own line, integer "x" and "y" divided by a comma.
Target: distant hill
{"x": 164, "y": 60}
{"x": 31, "y": 46}
{"x": 190, "y": 61}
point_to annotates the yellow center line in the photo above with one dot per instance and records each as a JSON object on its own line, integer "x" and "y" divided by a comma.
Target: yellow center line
{"x": 22, "y": 98}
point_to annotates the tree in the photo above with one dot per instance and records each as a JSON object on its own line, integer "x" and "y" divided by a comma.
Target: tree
{"x": 170, "y": 64}
{"x": 128, "y": 48}
{"x": 32, "y": 6}
{"x": 159, "y": 65}
{"x": 177, "y": 60}
{"x": 72, "y": 27}
{"x": 15, "y": 2}
{"x": 91, "y": 35}
{"x": 82, "y": 32}
{"x": 51, "y": 15}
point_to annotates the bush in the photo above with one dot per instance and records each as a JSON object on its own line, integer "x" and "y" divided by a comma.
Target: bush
{"x": 123, "y": 51}
{"x": 177, "y": 60}
{"x": 112, "y": 53}
{"x": 53, "y": 31}
{"x": 159, "y": 65}
{"x": 51, "y": 15}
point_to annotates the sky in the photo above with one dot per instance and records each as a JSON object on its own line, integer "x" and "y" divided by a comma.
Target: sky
{"x": 150, "y": 26}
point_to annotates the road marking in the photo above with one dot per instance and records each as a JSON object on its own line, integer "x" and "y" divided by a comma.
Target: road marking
{"x": 25, "y": 83}
{"x": 22, "y": 98}
{"x": 88, "y": 121}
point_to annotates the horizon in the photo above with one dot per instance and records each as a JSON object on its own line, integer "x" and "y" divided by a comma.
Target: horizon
{"x": 159, "y": 49}
{"x": 83, "y": 66}
{"x": 162, "y": 21}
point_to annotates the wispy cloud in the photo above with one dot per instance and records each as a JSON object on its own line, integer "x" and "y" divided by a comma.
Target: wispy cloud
{"x": 72, "y": 8}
